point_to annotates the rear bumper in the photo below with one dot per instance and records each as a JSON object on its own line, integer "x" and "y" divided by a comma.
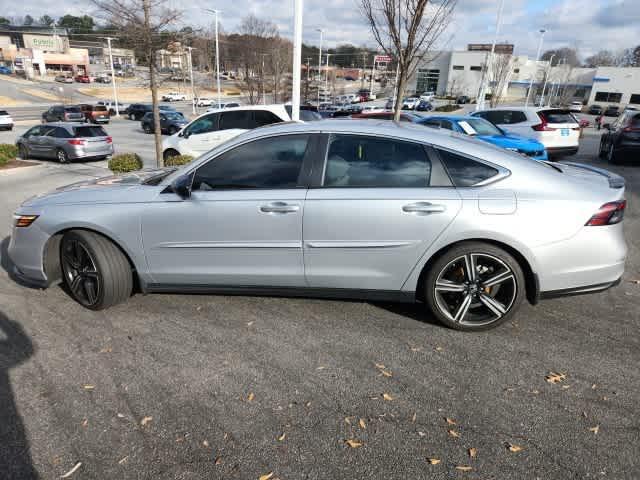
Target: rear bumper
{"x": 567, "y": 292}
{"x": 562, "y": 150}
{"x": 80, "y": 152}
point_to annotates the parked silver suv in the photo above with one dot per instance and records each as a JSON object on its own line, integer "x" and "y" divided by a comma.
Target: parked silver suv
{"x": 65, "y": 141}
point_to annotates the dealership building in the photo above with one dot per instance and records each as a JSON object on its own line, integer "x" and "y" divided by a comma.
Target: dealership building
{"x": 460, "y": 73}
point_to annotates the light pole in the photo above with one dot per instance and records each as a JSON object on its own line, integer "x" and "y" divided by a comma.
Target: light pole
{"x": 321, "y": 30}
{"x": 485, "y": 71}
{"x": 297, "y": 60}
{"x": 193, "y": 91}
{"x": 326, "y": 77}
{"x": 546, "y": 77}
{"x": 113, "y": 76}
{"x": 216, "y": 13}
{"x": 542, "y": 32}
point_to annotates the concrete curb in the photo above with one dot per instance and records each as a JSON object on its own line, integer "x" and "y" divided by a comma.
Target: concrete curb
{"x": 10, "y": 171}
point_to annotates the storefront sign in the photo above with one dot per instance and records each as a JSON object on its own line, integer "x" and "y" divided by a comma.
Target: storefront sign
{"x": 47, "y": 43}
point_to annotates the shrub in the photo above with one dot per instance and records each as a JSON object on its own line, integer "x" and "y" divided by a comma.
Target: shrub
{"x": 447, "y": 108}
{"x": 178, "y": 160}
{"x": 7, "y": 152}
{"x": 125, "y": 162}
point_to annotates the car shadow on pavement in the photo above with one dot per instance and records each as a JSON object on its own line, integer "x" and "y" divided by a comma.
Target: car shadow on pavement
{"x": 15, "y": 455}
{"x": 415, "y": 311}
{"x": 6, "y": 263}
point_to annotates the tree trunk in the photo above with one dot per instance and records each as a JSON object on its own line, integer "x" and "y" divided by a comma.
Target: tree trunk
{"x": 153, "y": 84}
{"x": 402, "y": 84}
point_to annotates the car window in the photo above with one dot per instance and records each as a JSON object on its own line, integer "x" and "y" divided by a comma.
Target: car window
{"x": 446, "y": 124}
{"x": 205, "y": 124}
{"x": 431, "y": 123}
{"x": 465, "y": 172}
{"x": 4, "y": 112}
{"x": 361, "y": 161}
{"x": 272, "y": 163}
{"x": 59, "y": 132}
{"x": 557, "y": 116}
{"x": 100, "y": 108}
{"x": 635, "y": 121}
{"x": 72, "y": 109}
{"x": 237, "y": 119}
{"x": 35, "y": 131}
{"x": 93, "y": 131}
{"x": 483, "y": 127}
{"x": 263, "y": 117}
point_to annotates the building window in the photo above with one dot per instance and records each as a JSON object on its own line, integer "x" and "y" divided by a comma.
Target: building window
{"x": 611, "y": 97}
{"x": 635, "y": 98}
{"x": 475, "y": 68}
{"x": 427, "y": 80}
{"x": 516, "y": 70}
{"x": 458, "y": 67}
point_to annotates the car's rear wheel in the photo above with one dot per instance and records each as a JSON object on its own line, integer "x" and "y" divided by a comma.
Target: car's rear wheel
{"x": 611, "y": 154}
{"x": 147, "y": 128}
{"x": 95, "y": 271}
{"x": 23, "y": 151}
{"x": 173, "y": 130}
{"x": 474, "y": 286}
{"x": 62, "y": 156}
{"x": 170, "y": 152}
{"x": 601, "y": 152}
{"x": 131, "y": 116}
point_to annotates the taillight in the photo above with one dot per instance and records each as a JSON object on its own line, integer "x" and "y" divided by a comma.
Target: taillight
{"x": 542, "y": 127}
{"x": 77, "y": 141}
{"x": 631, "y": 129}
{"x": 109, "y": 140}
{"x": 608, "y": 214}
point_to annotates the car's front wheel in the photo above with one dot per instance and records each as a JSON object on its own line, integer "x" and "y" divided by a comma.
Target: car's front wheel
{"x": 611, "y": 154}
{"x": 169, "y": 153}
{"x": 23, "y": 151}
{"x": 95, "y": 271}
{"x": 62, "y": 156}
{"x": 474, "y": 286}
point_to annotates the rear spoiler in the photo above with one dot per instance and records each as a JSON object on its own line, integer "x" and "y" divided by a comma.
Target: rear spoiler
{"x": 615, "y": 180}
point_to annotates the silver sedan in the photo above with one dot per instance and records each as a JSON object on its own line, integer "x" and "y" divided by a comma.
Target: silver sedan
{"x": 342, "y": 209}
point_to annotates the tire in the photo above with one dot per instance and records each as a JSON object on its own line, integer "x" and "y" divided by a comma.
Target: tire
{"x": 172, "y": 130}
{"x": 601, "y": 151}
{"x": 611, "y": 155}
{"x": 146, "y": 128}
{"x": 131, "y": 117}
{"x": 448, "y": 287}
{"x": 62, "y": 156}
{"x": 170, "y": 152}
{"x": 23, "y": 151}
{"x": 95, "y": 271}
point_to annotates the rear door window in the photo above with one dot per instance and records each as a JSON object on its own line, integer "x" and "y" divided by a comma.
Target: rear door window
{"x": 72, "y": 109}
{"x": 60, "y": 132}
{"x": 465, "y": 172}
{"x": 239, "y": 119}
{"x": 264, "y": 117}
{"x": 88, "y": 131}
{"x": 557, "y": 116}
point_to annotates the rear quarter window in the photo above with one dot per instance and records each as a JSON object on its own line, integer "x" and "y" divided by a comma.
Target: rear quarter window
{"x": 465, "y": 172}
{"x": 4, "y": 112}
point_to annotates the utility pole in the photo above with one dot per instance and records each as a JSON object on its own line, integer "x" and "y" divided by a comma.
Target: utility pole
{"x": 113, "y": 76}
{"x": 193, "y": 91}
{"x": 364, "y": 67}
{"x": 264, "y": 93}
{"x": 306, "y": 87}
{"x": 216, "y": 13}
{"x": 297, "y": 60}
{"x": 326, "y": 78}
{"x": 542, "y": 32}
{"x": 546, "y": 78}
{"x": 319, "y": 77}
{"x": 489, "y": 64}
{"x": 373, "y": 71}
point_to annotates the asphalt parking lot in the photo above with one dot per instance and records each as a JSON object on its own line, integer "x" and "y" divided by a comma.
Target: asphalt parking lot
{"x": 194, "y": 386}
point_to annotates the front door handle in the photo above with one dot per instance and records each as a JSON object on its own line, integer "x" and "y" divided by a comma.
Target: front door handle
{"x": 279, "y": 207}
{"x": 423, "y": 208}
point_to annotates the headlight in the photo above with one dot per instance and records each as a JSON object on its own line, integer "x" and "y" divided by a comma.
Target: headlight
{"x": 23, "y": 220}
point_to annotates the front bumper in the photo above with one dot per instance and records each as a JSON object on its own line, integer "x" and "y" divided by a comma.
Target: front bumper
{"x": 26, "y": 255}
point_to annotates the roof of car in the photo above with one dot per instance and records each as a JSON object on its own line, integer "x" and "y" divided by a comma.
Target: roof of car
{"x": 68, "y": 124}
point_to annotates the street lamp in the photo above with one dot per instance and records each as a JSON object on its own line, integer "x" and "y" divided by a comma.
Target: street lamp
{"x": 542, "y": 32}
{"x": 113, "y": 77}
{"x": 485, "y": 71}
{"x": 193, "y": 91}
{"x": 546, "y": 77}
{"x": 216, "y": 12}
{"x": 319, "y": 77}
{"x": 297, "y": 60}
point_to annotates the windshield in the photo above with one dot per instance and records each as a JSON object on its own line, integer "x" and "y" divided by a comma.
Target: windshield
{"x": 173, "y": 116}
{"x": 96, "y": 131}
{"x": 481, "y": 126}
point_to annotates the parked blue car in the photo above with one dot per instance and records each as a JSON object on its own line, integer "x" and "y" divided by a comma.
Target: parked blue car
{"x": 5, "y": 70}
{"x": 488, "y": 132}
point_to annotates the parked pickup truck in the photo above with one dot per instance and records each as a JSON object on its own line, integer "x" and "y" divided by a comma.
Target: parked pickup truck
{"x": 173, "y": 97}
{"x": 95, "y": 113}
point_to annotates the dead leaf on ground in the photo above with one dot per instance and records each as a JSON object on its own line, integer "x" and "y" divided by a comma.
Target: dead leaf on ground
{"x": 514, "y": 448}
{"x": 106, "y": 350}
{"x": 450, "y": 421}
{"x": 387, "y": 397}
{"x": 250, "y": 397}
{"x": 72, "y": 471}
{"x": 266, "y": 476}
{"x": 321, "y": 367}
{"x": 439, "y": 349}
{"x": 595, "y": 429}
{"x": 89, "y": 387}
{"x": 347, "y": 420}
{"x": 473, "y": 452}
{"x": 464, "y": 468}
{"x": 282, "y": 437}
{"x": 85, "y": 422}
{"x": 453, "y": 433}
{"x": 145, "y": 420}
{"x": 380, "y": 366}
{"x": 353, "y": 443}
{"x": 205, "y": 443}
{"x": 218, "y": 461}
{"x": 413, "y": 418}
{"x": 433, "y": 461}
{"x": 362, "y": 424}
{"x": 386, "y": 373}
{"x": 122, "y": 460}
{"x": 554, "y": 377}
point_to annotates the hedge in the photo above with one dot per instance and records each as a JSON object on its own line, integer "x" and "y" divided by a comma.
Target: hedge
{"x": 125, "y": 162}
{"x": 178, "y": 160}
{"x": 8, "y": 152}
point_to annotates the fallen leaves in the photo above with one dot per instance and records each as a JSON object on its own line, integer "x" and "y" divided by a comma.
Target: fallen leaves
{"x": 473, "y": 452}
{"x": 413, "y": 418}
{"x": 89, "y": 387}
{"x": 362, "y": 424}
{"x": 217, "y": 461}
{"x": 514, "y": 448}
{"x": 433, "y": 461}
{"x": 106, "y": 349}
{"x": 450, "y": 421}
{"x": 453, "y": 433}
{"x": 554, "y": 377}
{"x": 145, "y": 420}
{"x": 266, "y": 476}
{"x": 464, "y": 468}
{"x": 85, "y": 422}
{"x": 595, "y": 429}
{"x": 250, "y": 397}
{"x": 72, "y": 471}
{"x": 353, "y": 443}
{"x": 282, "y": 437}
{"x": 123, "y": 460}
{"x": 387, "y": 397}
{"x": 383, "y": 370}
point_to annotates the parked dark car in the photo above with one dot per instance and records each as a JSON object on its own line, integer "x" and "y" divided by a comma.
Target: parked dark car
{"x": 621, "y": 138}
{"x": 612, "y": 111}
{"x": 170, "y": 122}
{"x": 462, "y": 99}
{"x": 103, "y": 79}
{"x": 63, "y": 113}
{"x": 136, "y": 111}
{"x": 424, "y": 106}
{"x": 349, "y": 78}
{"x": 95, "y": 113}
{"x": 65, "y": 141}
{"x": 595, "y": 110}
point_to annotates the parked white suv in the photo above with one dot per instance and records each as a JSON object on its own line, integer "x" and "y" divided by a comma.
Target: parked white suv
{"x": 173, "y": 97}
{"x": 556, "y": 128}
{"x": 575, "y": 107}
{"x": 213, "y": 128}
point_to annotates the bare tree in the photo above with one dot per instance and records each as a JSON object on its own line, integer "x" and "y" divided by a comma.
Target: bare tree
{"x": 407, "y": 30}
{"x": 144, "y": 23}
{"x": 499, "y": 76}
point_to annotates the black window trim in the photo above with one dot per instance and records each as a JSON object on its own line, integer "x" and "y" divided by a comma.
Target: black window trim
{"x": 501, "y": 175}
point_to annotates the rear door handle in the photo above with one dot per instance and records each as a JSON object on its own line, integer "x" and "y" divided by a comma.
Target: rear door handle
{"x": 279, "y": 207}
{"x": 423, "y": 207}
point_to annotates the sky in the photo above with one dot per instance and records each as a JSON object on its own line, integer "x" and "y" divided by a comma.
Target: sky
{"x": 588, "y": 25}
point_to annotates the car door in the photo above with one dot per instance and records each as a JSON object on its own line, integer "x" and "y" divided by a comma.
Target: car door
{"x": 380, "y": 204}
{"x": 199, "y": 136}
{"x": 30, "y": 139}
{"x": 48, "y": 141}
{"x": 242, "y": 224}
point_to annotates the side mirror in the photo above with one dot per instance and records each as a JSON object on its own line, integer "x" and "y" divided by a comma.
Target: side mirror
{"x": 181, "y": 186}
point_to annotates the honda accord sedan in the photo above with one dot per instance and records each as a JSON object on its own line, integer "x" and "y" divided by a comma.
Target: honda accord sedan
{"x": 362, "y": 209}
